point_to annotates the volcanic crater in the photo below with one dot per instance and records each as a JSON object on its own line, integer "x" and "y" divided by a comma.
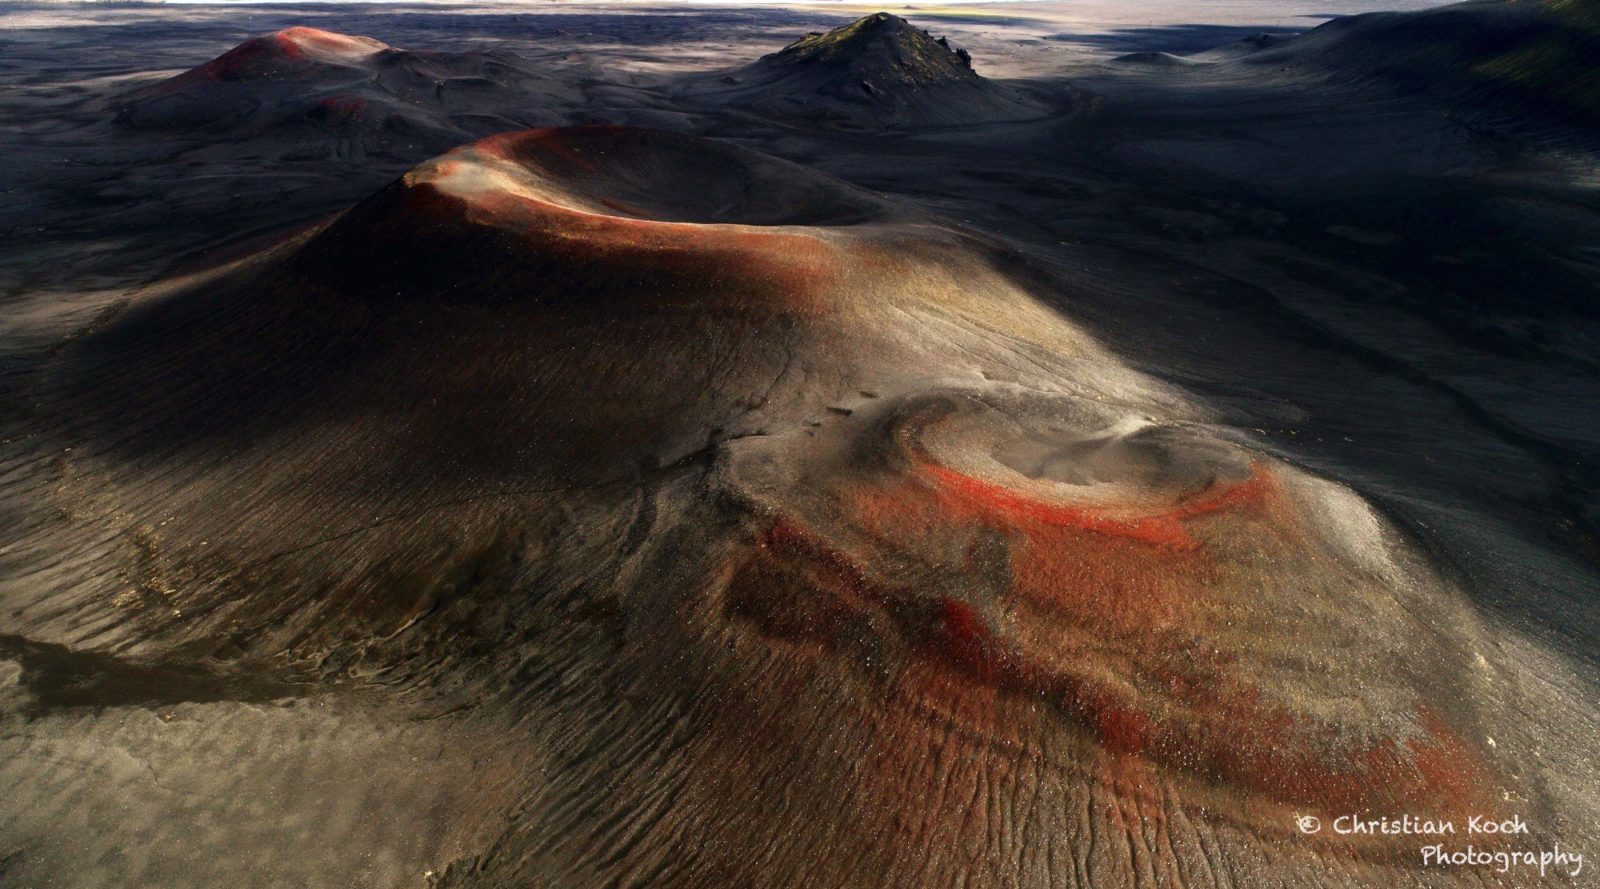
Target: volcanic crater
{"x": 722, "y": 429}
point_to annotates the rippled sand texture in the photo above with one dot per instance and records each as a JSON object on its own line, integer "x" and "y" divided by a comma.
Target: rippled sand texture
{"x": 614, "y": 505}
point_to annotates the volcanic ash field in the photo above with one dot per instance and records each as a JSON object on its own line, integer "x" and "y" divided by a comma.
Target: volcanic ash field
{"x": 712, "y": 447}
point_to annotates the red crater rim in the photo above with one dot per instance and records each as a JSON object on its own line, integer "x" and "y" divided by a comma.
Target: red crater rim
{"x": 1126, "y": 575}
{"x": 596, "y": 217}
{"x": 646, "y": 175}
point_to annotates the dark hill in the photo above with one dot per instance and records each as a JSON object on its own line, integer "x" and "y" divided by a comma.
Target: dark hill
{"x": 326, "y": 92}
{"x": 879, "y": 72}
{"x": 1528, "y": 60}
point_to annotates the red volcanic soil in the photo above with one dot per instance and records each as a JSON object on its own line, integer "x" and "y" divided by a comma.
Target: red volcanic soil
{"x": 1124, "y": 611}
{"x": 965, "y": 495}
{"x": 1205, "y": 718}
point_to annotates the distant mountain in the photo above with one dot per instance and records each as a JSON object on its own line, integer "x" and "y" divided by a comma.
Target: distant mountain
{"x": 304, "y": 84}
{"x": 876, "y": 73}
{"x": 1539, "y": 59}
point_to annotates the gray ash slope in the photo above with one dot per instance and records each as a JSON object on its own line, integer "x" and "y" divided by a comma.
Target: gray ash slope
{"x": 879, "y": 72}
{"x": 1521, "y": 79}
{"x": 1522, "y": 63}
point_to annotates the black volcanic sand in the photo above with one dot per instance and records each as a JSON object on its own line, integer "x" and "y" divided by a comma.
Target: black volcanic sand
{"x": 1061, "y": 462}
